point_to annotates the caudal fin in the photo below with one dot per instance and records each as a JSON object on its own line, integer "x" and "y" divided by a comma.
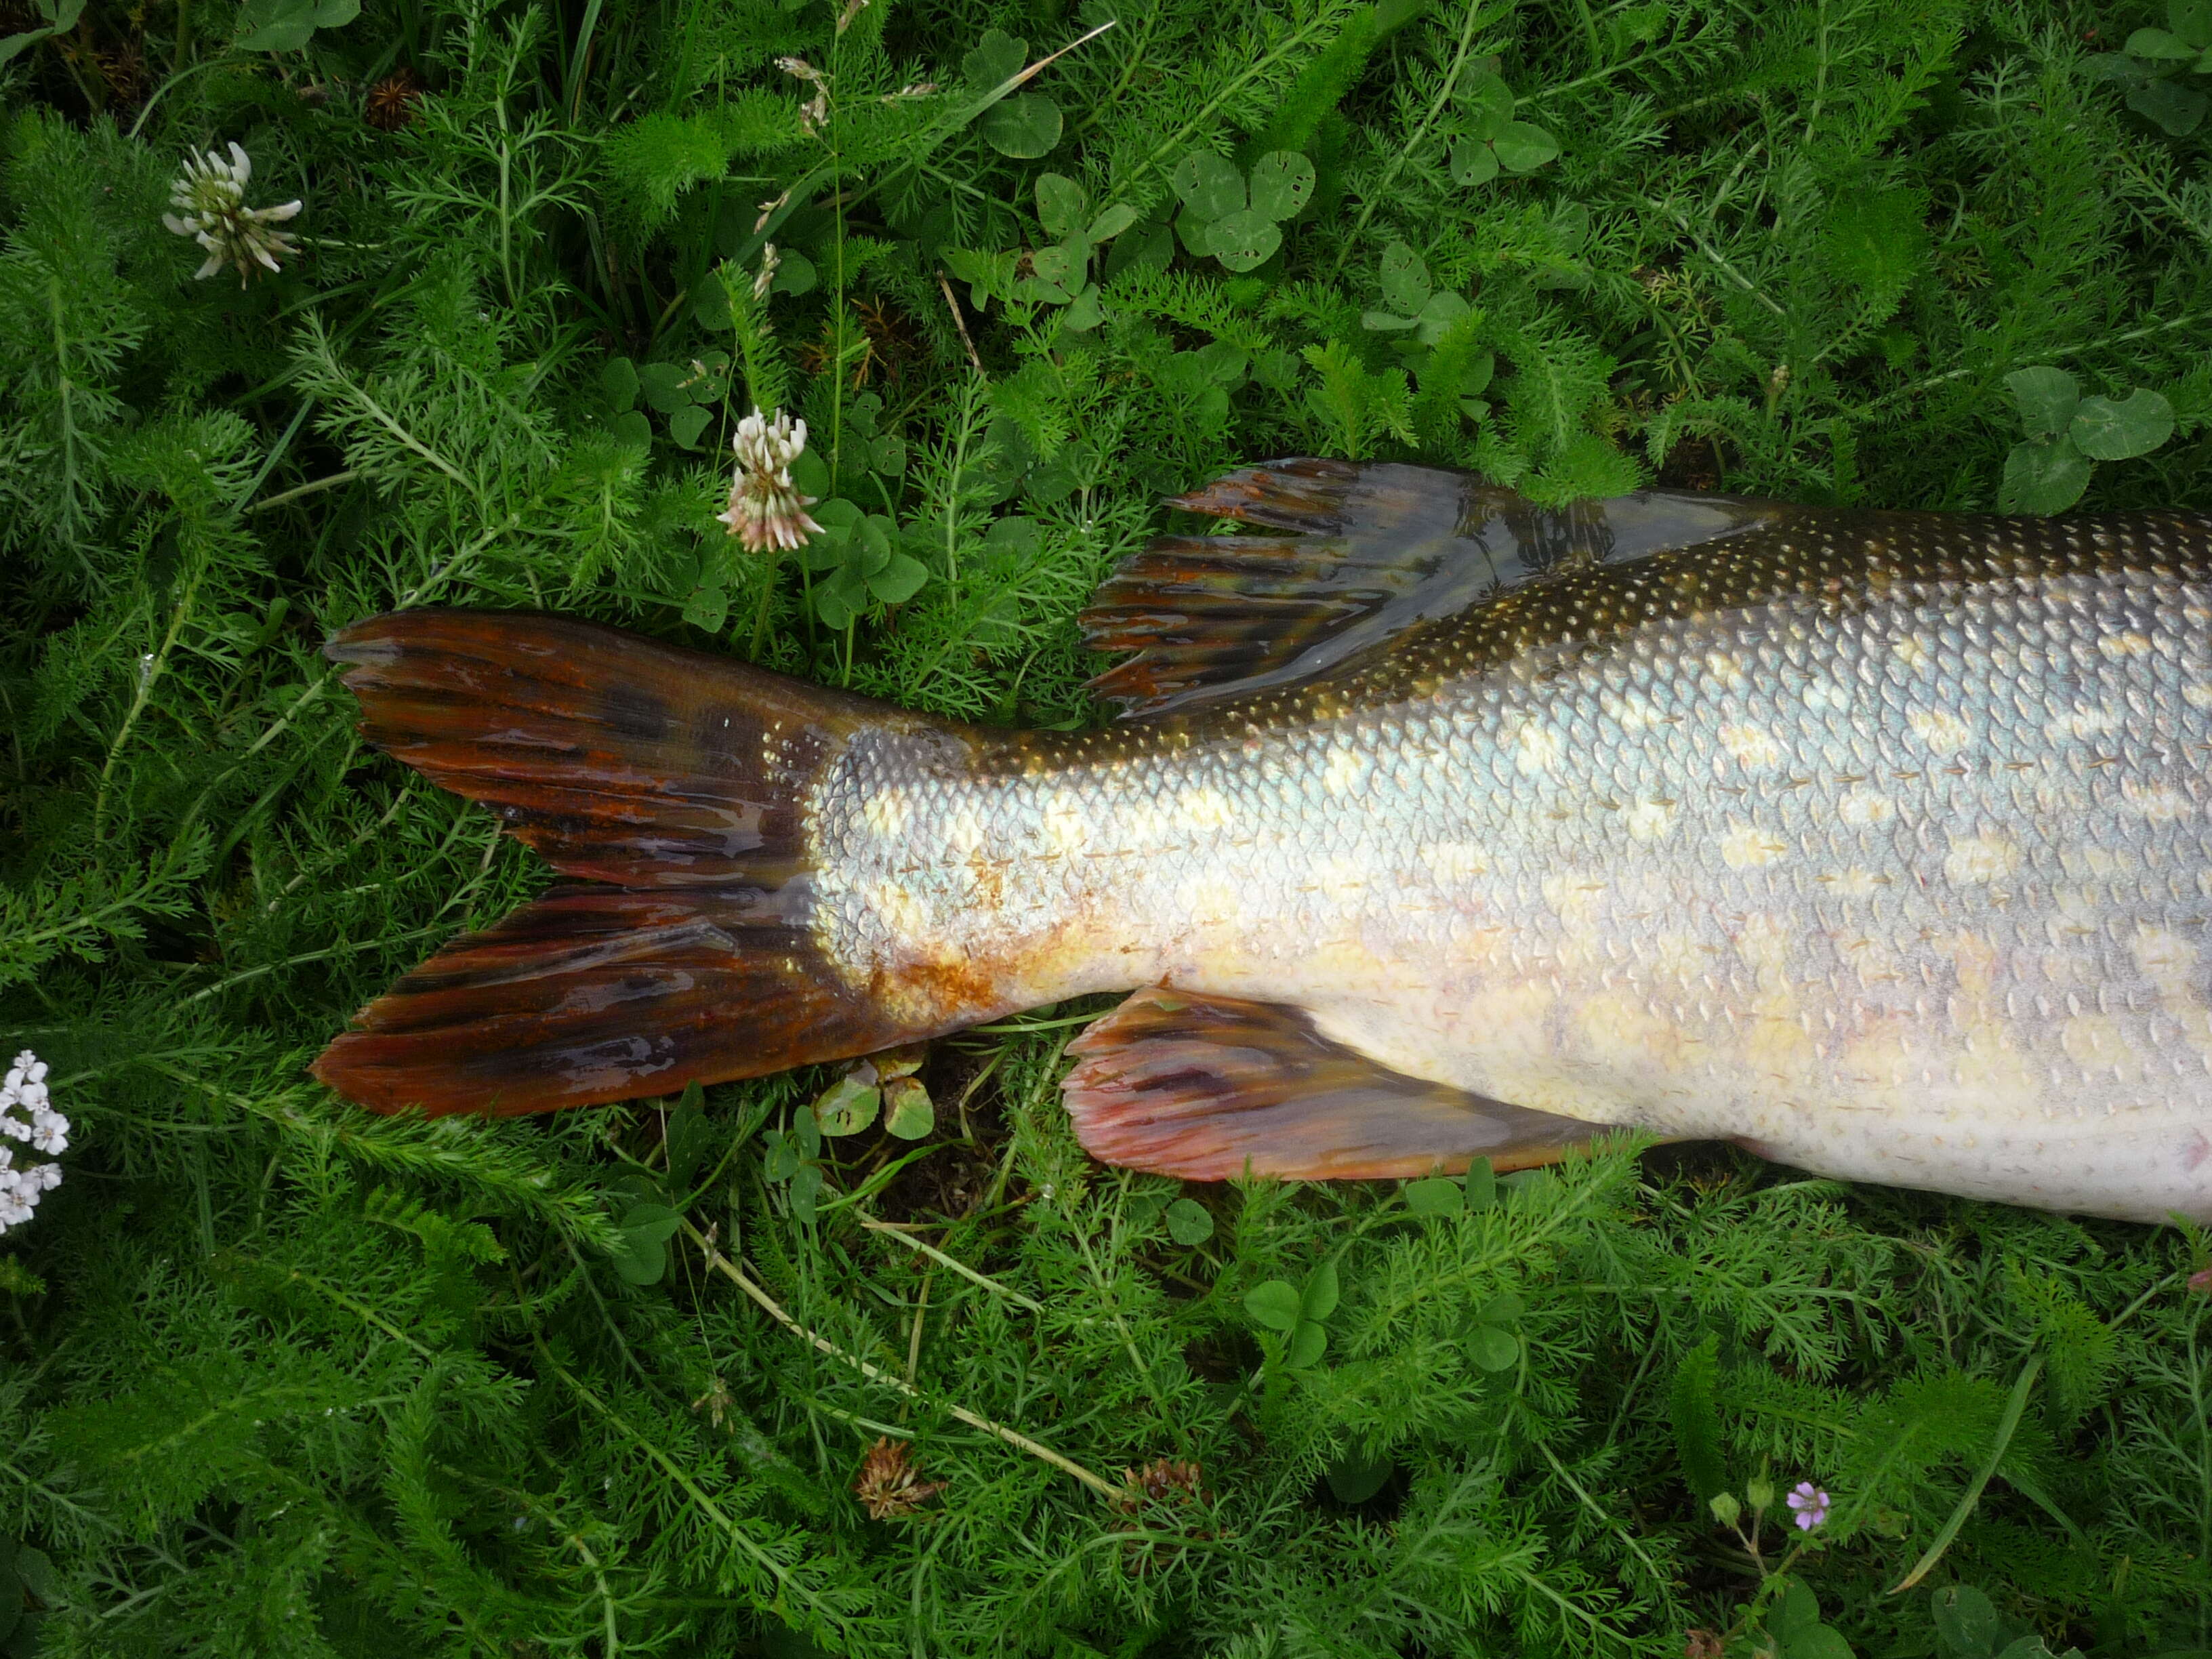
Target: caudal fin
{"x": 679, "y": 779}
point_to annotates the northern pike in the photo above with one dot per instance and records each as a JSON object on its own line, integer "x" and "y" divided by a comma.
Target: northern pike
{"x": 1437, "y": 826}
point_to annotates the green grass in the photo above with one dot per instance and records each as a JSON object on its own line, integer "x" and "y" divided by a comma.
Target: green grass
{"x": 282, "y": 1378}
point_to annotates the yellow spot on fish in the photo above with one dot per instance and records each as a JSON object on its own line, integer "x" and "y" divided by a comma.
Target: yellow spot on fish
{"x": 1945, "y": 733}
{"x": 1574, "y": 898}
{"x": 887, "y": 812}
{"x": 2096, "y": 1042}
{"x": 1064, "y": 825}
{"x": 1453, "y": 864}
{"x": 2197, "y": 694}
{"x": 1648, "y": 820}
{"x": 964, "y": 832}
{"x": 1827, "y": 694}
{"x": 2157, "y": 802}
{"x": 1346, "y": 770}
{"x": 1680, "y": 957}
{"x": 1205, "y": 809}
{"x": 1776, "y": 1042}
{"x": 1762, "y": 942}
{"x": 2105, "y": 862}
{"x": 899, "y": 908}
{"x": 2166, "y": 959}
{"x": 1727, "y": 669}
{"x": 1987, "y": 1064}
{"x": 1746, "y": 846}
{"x": 1853, "y": 882}
{"x": 1750, "y": 745}
{"x": 2127, "y": 644}
{"x": 1632, "y": 709}
{"x": 1538, "y": 747}
{"x": 1976, "y": 859}
{"x": 2080, "y": 724}
{"x": 1860, "y": 807}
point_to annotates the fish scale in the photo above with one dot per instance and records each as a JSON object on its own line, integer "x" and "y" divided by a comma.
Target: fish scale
{"x": 1440, "y": 825}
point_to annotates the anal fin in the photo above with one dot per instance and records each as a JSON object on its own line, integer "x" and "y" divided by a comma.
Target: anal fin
{"x": 1208, "y": 1088}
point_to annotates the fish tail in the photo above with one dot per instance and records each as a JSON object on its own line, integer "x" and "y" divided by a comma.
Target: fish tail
{"x": 675, "y": 785}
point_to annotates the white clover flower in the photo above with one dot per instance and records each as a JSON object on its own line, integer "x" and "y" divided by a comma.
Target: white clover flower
{"x": 25, "y": 1114}
{"x": 766, "y": 509}
{"x": 211, "y": 193}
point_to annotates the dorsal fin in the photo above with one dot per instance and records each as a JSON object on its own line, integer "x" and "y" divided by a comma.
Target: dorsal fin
{"x": 1375, "y": 548}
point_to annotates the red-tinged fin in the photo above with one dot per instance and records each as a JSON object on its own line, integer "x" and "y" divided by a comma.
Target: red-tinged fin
{"x": 1208, "y": 1088}
{"x": 617, "y": 757}
{"x": 682, "y": 779}
{"x": 598, "y": 994}
{"x": 1376, "y": 549}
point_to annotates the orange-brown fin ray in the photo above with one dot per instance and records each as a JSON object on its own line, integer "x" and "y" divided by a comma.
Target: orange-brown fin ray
{"x": 1372, "y": 548}
{"x": 1208, "y": 1088}
{"x": 599, "y": 994}
{"x": 617, "y": 757}
{"x": 678, "y": 777}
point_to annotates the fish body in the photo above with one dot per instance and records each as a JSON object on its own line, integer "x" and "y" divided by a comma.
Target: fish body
{"x": 1875, "y": 842}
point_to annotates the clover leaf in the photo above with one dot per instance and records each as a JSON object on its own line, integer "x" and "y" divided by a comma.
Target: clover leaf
{"x": 1489, "y": 139}
{"x": 1794, "y": 1624}
{"x": 858, "y": 554}
{"x": 1296, "y": 1312}
{"x": 1488, "y": 1336}
{"x": 909, "y": 1112}
{"x": 1416, "y": 305}
{"x": 686, "y": 394}
{"x": 1024, "y": 127}
{"x": 2156, "y": 66}
{"x": 848, "y": 1105}
{"x": 641, "y": 1251}
{"x": 1189, "y": 1222}
{"x": 287, "y": 25}
{"x": 793, "y": 1157}
{"x": 2068, "y": 434}
{"x": 1237, "y": 219}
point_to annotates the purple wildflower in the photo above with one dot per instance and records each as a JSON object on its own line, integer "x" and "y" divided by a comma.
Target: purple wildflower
{"x": 1809, "y": 1503}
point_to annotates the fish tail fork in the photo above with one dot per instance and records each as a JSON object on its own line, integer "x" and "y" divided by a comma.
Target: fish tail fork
{"x": 675, "y": 784}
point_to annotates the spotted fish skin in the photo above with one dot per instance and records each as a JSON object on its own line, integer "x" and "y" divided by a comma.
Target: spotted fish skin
{"x": 1876, "y": 842}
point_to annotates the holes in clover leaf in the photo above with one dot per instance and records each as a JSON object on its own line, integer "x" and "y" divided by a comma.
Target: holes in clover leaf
{"x": 1234, "y": 217}
{"x": 883, "y": 1085}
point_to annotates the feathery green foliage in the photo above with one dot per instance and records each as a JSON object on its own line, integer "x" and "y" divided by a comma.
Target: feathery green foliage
{"x": 278, "y": 1377}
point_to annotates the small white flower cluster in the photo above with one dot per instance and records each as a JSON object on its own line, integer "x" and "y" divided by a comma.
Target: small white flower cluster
{"x": 211, "y": 193}
{"x": 25, "y": 1115}
{"x": 766, "y": 509}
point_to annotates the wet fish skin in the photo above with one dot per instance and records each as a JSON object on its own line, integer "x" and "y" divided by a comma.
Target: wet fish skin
{"x": 1876, "y": 842}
